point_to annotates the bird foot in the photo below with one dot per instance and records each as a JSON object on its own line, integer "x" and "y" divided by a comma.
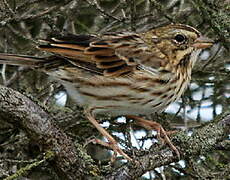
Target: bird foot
{"x": 162, "y": 135}
{"x": 111, "y": 145}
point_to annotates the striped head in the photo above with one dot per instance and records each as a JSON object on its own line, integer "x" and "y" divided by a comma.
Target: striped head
{"x": 176, "y": 42}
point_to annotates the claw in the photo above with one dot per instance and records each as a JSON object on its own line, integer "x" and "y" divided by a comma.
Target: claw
{"x": 162, "y": 135}
{"x": 112, "y": 144}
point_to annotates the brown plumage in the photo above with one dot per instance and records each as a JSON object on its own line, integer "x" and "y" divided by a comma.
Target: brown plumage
{"x": 122, "y": 73}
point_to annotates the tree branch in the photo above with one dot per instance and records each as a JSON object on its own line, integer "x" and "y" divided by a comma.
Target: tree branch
{"x": 202, "y": 141}
{"x": 70, "y": 162}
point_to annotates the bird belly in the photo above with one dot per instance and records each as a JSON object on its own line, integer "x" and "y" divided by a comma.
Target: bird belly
{"x": 124, "y": 96}
{"x": 109, "y": 100}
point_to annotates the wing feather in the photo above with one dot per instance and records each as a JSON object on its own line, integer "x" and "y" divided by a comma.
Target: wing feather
{"x": 112, "y": 54}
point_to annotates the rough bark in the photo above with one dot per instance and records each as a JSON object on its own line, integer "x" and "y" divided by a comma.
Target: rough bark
{"x": 71, "y": 161}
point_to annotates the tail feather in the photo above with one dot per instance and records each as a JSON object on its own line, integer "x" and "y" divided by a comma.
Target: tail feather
{"x": 46, "y": 64}
{"x": 21, "y": 60}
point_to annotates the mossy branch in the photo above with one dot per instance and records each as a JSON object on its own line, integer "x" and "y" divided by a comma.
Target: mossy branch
{"x": 71, "y": 161}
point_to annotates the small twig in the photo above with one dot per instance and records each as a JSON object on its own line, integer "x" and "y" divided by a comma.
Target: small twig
{"x": 83, "y": 26}
{"x": 213, "y": 58}
{"x": 27, "y": 3}
{"x": 17, "y": 161}
{"x": 133, "y": 15}
{"x": 161, "y": 10}
{"x": 104, "y": 13}
{"x": 40, "y": 14}
{"x": 15, "y": 76}
{"x": 3, "y": 73}
{"x": 18, "y": 33}
{"x": 110, "y": 25}
{"x": 182, "y": 171}
{"x": 8, "y": 7}
{"x": 48, "y": 156}
{"x": 26, "y": 17}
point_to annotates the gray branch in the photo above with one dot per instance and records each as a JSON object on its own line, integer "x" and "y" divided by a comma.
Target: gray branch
{"x": 202, "y": 141}
{"x": 71, "y": 161}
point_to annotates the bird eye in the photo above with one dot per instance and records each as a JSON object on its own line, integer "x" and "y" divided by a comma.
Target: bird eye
{"x": 180, "y": 38}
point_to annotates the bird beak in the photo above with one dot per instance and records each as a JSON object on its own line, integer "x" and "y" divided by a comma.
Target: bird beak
{"x": 202, "y": 42}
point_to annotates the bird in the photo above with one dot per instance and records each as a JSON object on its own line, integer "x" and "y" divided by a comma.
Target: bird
{"x": 121, "y": 73}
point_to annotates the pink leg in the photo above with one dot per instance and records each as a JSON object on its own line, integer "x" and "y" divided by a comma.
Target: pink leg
{"x": 150, "y": 125}
{"x": 112, "y": 144}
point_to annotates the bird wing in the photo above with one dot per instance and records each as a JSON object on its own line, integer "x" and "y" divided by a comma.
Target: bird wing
{"x": 111, "y": 54}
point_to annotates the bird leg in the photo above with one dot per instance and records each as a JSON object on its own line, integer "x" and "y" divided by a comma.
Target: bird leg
{"x": 112, "y": 144}
{"x": 161, "y": 133}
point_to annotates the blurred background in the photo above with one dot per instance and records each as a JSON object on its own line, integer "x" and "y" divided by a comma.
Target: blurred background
{"x": 24, "y": 22}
